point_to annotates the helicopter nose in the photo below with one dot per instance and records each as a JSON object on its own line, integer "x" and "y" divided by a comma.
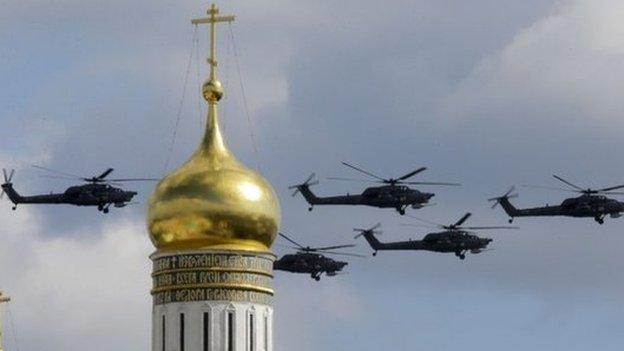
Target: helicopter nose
{"x": 430, "y": 195}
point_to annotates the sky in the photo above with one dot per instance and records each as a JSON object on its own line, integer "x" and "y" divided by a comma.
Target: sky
{"x": 486, "y": 93}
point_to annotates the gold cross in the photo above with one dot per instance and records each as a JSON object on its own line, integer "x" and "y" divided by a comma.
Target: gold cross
{"x": 212, "y": 20}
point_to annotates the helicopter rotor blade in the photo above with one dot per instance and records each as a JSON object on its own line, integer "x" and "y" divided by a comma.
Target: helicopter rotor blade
{"x": 413, "y": 173}
{"x": 57, "y": 172}
{"x": 105, "y": 174}
{"x": 133, "y": 180}
{"x": 363, "y": 171}
{"x": 432, "y": 183}
{"x": 418, "y": 225}
{"x": 291, "y": 240}
{"x": 462, "y": 220}
{"x": 342, "y": 254}
{"x": 426, "y": 221}
{"x": 605, "y": 189}
{"x": 59, "y": 177}
{"x": 351, "y": 179}
{"x": 489, "y": 227}
{"x": 331, "y": 247}
{"x": 568, "y": 183}
{"x": 11, "y": 175}
{"x": 548, "y": 188}
{"x": 4, "y": 173}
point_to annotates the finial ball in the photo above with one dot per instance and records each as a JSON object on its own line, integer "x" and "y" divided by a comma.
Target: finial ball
{"x": 212, "y": 90}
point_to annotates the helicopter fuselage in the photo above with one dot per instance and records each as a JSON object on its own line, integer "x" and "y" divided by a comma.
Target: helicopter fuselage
{"x": 309, "y": 263}
{"x": 450, "y": 241}
{"x": 588, "y": 206}
{"x": 100, "y": 195}
{"x": 398, "y": 197}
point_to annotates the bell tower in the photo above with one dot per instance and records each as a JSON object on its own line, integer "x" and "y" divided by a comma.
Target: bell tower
{"x": 213, "y": 222}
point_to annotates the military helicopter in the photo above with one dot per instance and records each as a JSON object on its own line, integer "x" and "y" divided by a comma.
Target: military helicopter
{"x": 97, "y": 192}
{"x": 393, "y": 194}
{"x": 309, "y": 260}
{"x": 454, "y": 238}
{"x": 591, "y": 203}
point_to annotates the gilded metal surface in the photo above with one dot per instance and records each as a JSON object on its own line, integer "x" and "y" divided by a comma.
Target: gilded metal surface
{"x": 216, "y": 275}
{"x": 194, "y": 295}
{"x": 213, "y": 200}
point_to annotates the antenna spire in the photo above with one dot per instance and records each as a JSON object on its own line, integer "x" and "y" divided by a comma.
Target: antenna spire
{"x": 212, "y": 89}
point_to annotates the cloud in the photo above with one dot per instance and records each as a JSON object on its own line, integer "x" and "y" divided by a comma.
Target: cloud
{"x": 567, "y": 68}
{"x": 66, "y": 291}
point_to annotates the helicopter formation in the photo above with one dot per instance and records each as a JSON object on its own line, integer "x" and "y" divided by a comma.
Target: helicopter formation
{"x": 395, "y": 193}
{"x": 455, "y": 238}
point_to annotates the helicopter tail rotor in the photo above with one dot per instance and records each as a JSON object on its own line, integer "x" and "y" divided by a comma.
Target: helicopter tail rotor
{"x": 372, "y": 231}
{"x": 8, "y": 176}
{"x": 308, "y": 183}
{"x": 508, "y": 195}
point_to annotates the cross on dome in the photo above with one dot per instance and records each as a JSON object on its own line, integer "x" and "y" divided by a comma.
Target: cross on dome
{"x": 212, "y": 89}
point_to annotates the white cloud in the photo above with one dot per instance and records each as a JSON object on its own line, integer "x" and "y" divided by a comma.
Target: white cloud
{"x": 66, "y": 292}
{"x": 569, "y": 64}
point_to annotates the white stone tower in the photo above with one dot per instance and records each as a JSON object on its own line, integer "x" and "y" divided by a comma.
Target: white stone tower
{"x": 213, "y": 222}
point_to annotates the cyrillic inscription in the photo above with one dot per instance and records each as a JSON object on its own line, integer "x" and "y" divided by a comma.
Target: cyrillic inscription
{"x": 212, "y": 276}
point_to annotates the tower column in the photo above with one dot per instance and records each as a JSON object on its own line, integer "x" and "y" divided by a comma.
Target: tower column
{"x": 209, "y": 300}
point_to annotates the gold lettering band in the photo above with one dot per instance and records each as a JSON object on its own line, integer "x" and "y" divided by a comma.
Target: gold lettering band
{"x": 230, "y": 276}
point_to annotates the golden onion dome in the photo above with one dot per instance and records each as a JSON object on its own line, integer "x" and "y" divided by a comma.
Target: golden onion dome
{"x": 213, "y": 200}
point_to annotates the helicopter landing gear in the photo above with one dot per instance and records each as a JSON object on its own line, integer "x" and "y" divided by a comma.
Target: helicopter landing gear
{"x": 599, "y": 219}
{"x": 100, "y": 208}
{"x": 510, "y": 220}
{"x": 460, "y": 254}
{"x": 375, "y": 253}
{"x": 401, "y": 210}
{"x": 316, "y": 276}
{"x": 14, "y": 208}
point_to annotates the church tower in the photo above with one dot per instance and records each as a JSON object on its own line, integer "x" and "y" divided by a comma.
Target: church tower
{"x": 213, "y": 222}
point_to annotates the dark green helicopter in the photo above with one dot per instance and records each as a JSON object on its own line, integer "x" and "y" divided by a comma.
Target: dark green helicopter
{"x": 97, "y": 192}
{"x": 310, "y": 260}
{"x": 454, "y": 239}
{"x": 393, "y": 194}
{"x": 591, "y": 203}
